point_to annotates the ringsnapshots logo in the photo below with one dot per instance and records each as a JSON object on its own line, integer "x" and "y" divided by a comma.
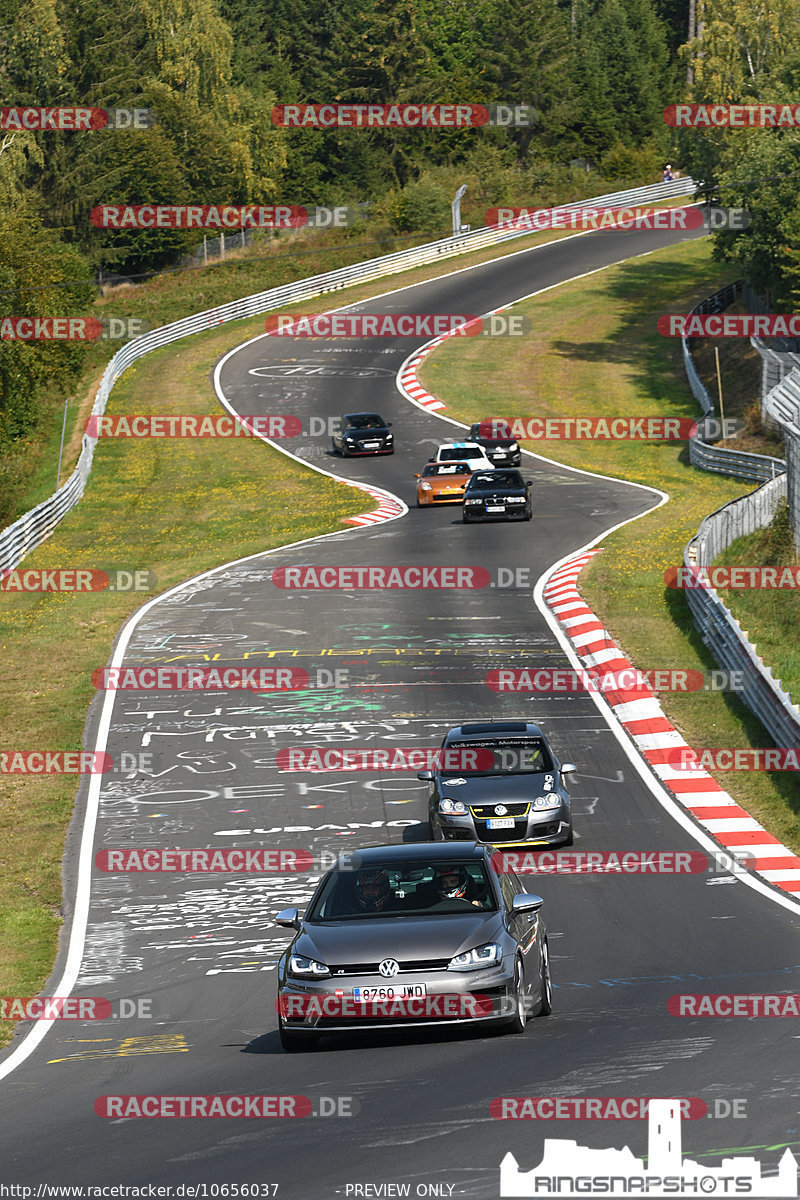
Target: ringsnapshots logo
{"x": 569, "y": 1170}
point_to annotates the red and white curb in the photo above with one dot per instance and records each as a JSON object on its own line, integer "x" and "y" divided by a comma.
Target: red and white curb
{"x": 639, "y": 713}
{"x": 410, "y": 385}
{"x": 388, "y": 508}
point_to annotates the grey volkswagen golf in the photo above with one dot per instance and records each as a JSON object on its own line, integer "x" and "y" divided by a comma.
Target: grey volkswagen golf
{"x": 413, "y": 935}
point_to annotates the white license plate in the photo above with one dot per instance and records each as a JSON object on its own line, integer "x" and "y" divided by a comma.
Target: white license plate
{"x": 404, "y": 991}
{"x": 495, "y": 508}
{"x": 371, "y": 445}
{"x": 500, "y": 823}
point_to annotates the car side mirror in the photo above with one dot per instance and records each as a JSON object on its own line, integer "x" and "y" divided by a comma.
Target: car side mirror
{"x": 418, "y": 477}
{"x": 290, "y": 917}
{"x": 425, "y": 775}
{"x": 526, "y": 902}
{"x": 528, "y": 483}
{"x": 388, "y": 424}
{"x": 568, "y": 768}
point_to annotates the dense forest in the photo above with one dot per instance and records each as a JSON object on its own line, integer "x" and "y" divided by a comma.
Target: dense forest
{"x": 596, "y": 74}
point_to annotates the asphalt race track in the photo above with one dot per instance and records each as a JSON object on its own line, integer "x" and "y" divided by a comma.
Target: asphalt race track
{"x": 202, "y": 949}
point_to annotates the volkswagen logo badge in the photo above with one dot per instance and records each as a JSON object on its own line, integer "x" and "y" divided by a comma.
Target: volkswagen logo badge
{"x": 388, "y": 968}
{"x": 500, "y": 810}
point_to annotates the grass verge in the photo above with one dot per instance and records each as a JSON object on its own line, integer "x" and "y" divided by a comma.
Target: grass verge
{"x": 596, "y": 352}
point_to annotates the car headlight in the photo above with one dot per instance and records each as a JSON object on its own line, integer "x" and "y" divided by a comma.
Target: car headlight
{"x": 457, "y": 807}
{"x": 513, "y": 446}
{"x": 349, "y": 439}
{"x": 551, "y": 800}
{"x": 473, "y": 502}
{"x": 472, "y": 960}
{"x": 425, "y": 487}
{"x": 307, "y": 968}
{"x": 388, "y": 436}
{"x": 515, "y": 500}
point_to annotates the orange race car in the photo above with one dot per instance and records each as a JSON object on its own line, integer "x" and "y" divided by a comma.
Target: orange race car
{"x": 442, "y": 483}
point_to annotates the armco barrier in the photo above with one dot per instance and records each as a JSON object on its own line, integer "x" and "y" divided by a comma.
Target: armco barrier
{"x": 720, "y": 630}
{"x": 782, "y": 404}
{"x": 702, "y": 454}
{"x": 35, "y": 526}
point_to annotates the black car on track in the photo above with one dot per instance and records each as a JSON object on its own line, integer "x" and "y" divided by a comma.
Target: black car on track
{"x": 497, "y": 441}
{"x": 499, "y": 495}
{"x": 413, "y": 935}
{"x": 362, "y": 433}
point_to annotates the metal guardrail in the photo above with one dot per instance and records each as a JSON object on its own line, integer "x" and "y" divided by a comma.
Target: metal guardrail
{"x": 703, "y": 454}
{"x": 721, "y": 632}
{"x": 36, "y": 525}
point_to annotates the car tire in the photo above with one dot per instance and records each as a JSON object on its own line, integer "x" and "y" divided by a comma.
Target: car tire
{"x": 529, "y": 516}
{"x": 517, "y": 1023}
{"x": 569, "y": 839}
{"x": 436, "y": 832}
{"x": 333, "y": 447}
{"x": 295, "y": 1043}
{"x": 545, "y": 983}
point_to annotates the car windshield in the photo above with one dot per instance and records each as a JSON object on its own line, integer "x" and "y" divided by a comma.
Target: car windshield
{"x": 448, "y": 468}
{"x": 363, "y": 421}
{"x": 411, "y": 889}
{"x": 512, "y": 756}
{"x": 496, "y": 479}
{"x": 454, "y": 453}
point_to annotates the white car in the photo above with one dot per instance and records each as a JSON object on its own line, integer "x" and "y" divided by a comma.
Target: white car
{"x": 469, "y": 452}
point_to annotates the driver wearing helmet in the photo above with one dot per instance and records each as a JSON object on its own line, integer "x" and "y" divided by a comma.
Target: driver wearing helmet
{"x": 372, "y": 890}
{"x": 454, "y": 883}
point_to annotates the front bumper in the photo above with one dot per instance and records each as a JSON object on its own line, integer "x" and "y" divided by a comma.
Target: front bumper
{"x": 325, "y": 1012}
{"x": 545, "y": 829}
{"x": 511, "y": 512}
